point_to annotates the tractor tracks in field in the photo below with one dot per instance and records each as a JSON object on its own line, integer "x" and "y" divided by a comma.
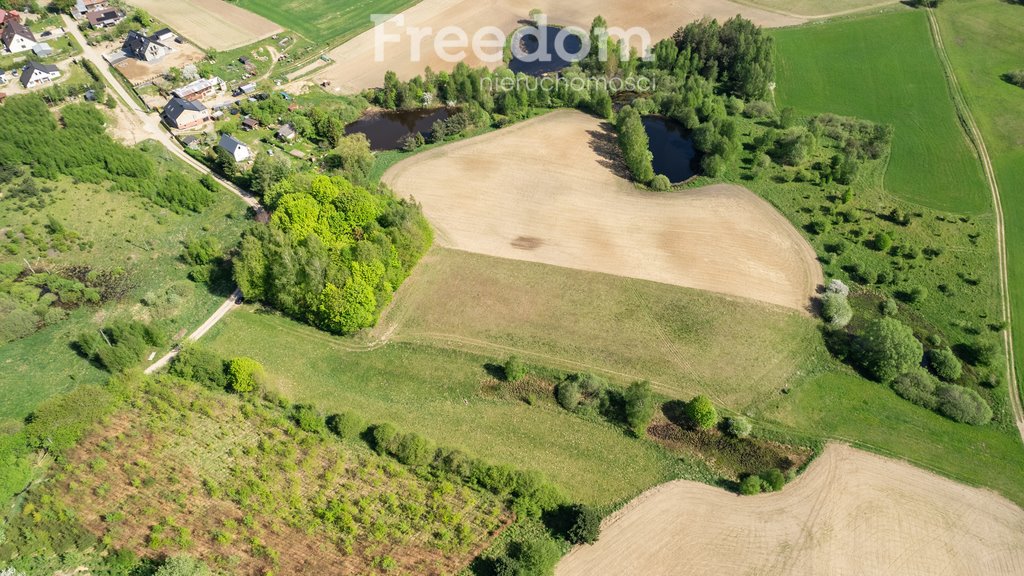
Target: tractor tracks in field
{"x": 976, "y": 139}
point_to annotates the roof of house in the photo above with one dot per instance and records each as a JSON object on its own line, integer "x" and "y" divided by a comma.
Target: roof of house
{"x": 104, "y": 15}
{"x": 285, "y": 131}
{"x": 33, "y": 67}
{"x": 136, "y": 43}
{"x": 197, "y": 86}
{"x": 178, "y": 106}
{"x": 251, "y": 122}
{"x": 13, "y": 28}
{"x": 231, "y": 144}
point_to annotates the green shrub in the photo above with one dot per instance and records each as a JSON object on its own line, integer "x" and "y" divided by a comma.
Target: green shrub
{"x": 638, "y": 406}
{"x": 917, "y": 386}
{"x": 58, "y": 423}
{"x": 963, "y": 405}
{"x": 515, "y": 370}
{"x": 661, "y": 183}
{"x": 751, "y": 485}
{"x": 888, "y": 348}
{"x": 889, "y": 307}
{"x": 701, "y": 412}
{"x": 347, "y": 425}
{"x": 244, "y": 374}
{"x": 739, "y": 426}
{"x": 568, "y": 394}
{"x": 414, "y": 450}
{"x": 773, "y": 480}
{"x": 945, "y": 364}
{"x": 183, "y": 566}
{"x": 586, "y": 525}
{"x": 534, "y": 556}
{"x": 202, "y": 250}
{"x": 199, "y": 364}
{"x": 836, "y": 310}
{"x": 308, "y": 418}
{"x": 385, "y": 438}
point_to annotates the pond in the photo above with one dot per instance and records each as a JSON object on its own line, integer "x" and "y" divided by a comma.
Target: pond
{"x": 544, "y": 49}
{"x": 674, "y": 154}
{"x": 387, "y": 128}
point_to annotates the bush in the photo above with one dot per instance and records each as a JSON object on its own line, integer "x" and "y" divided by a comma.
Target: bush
{"x": 917, "y": 386}
{"x": 945, "y": 364}
{"x": 739, "y": 426}
{"x": 198, "y": 364}
{"x": 1016, "y": 77}
{"x": 773, "y": 480}
{"x": 244, "y": 374}
{"x": 701, "y": 412}
{"x": 347, "y": 425}
{"x": 888, "y": 348}
{"x": 535, "y": 556}
{"x": 568, "y": 394}
{"x": 515, "y": 370}
{"x": 586, "y": 525}
{"x": 836, "y": 310}
{"x": 751, "y": 485}
{"x": 660, "y": 183}
{"x": 183, "y": 566}
{"x": 963, "y": 405}
{"x": 836, "y": 286}
{"x": 889, "y": 307}
{"x": 308, "y": 418}
{"x": 385, "y": 438}
{"x": 414, "y": 450}
{"x": 639, "y": 407}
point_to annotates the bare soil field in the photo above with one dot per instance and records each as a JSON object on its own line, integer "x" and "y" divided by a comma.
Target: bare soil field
{"x": 356, "y": 67}
{"x": 850, "y": 513}
{"x": 210, "y": 23}
{"x": 138, "y": 72}
{"x": 550, "y": 190}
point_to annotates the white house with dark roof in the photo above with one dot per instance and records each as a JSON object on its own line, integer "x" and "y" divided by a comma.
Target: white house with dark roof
{"x": 184, "y": 114}
{"x": 35, "y": 74}
{"x": 239, "y": 151}
{"x": 17, "y": 37}
{"x": 142, "y": 47}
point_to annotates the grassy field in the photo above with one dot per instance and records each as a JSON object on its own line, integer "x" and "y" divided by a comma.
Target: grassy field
{"x": 841, "y": 405}
{"x": 124, "y": 231}
{"x": 323, "y": 21}
{"x": 983, "y": 41}
{"x": 884, "y": 68}
{"x": 684, "y": 341}
{"x": 437, "y": 392}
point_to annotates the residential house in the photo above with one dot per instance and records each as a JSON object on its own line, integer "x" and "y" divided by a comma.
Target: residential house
{"x": 83, "y": 7}
{"x": 199, "y": 89}
{"x": 9, "y": 16}
{"x": 105, "y": 17}
{"x": 17, "y": 37}
{"x": 184, "y": 114}
{"x": 35, "y": 74}
{"x": 286, "y": 133}
{"x": 146, "y": 48}
{"x": 249, "y": 124}
{"x": 239, "y": 151}
{"x": 42, "y": 49}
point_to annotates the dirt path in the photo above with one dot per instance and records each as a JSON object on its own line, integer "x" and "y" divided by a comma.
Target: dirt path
{"x": 230, "y": 304}
{"x": 550, "y": 190}
{"x": 355, "y": 68}
{"x": 974, "y": 135}
{"x": 850, "y": 513}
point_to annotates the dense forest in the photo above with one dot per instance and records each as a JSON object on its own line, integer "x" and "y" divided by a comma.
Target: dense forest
{"x": 333, "y": 252}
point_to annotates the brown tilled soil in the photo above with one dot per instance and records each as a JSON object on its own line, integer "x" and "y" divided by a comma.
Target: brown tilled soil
{"x": 850, "y": 513}
{"x": 551, "y": 190}
{"x": 211, "y": 23}
{"x": 356, "y": 67}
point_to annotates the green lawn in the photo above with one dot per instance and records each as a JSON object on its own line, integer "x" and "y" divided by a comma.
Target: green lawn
{"x": 325, "y": 21}
{"x": 884, "y": 68}
{"x": 437, "y": 393}
{"x": 983, "y": 39}
{"x": 125, "y": 231}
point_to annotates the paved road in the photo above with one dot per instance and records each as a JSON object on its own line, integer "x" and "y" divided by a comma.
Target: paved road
{"x": 974, "y": 134}
{"x": 150, "y": 125}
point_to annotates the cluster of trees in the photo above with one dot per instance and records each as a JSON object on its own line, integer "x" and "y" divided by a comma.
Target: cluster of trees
{"x": 835, "y": 304}
{"x": 333, "y": 252}
{"x": 636, "y": 146}
{"x": 737, "y": 55}
{"x": 241, "y": 375}
{"x": 119, "y": 345}
{"x": 590, "y": 395}
{"x": 771, "y": 480}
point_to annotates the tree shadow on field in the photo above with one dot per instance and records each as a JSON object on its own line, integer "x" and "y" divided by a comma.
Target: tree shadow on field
{"x": 495, "y": 371}
{"x": 675, "y": 411}
{"x": 606, "y": 145}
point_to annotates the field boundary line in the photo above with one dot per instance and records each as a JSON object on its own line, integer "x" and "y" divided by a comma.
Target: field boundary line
{"x": 974, "y": 134}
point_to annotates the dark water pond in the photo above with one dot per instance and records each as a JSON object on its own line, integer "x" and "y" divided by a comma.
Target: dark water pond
{"x": 544, "y": 49}
{"x": 674, "y": 154}
{"x": 386, "y": 128}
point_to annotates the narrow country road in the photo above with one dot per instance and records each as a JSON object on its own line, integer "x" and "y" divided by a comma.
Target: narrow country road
{"x": 151, "y": 126}
{"x": 974, "y": 135}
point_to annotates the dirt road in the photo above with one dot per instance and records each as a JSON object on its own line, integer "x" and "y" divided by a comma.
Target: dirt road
{"x": 851, "y": 513}
{"x": 974, "y": 135}
{"x": 230, "y": 304}
{"x": 550, "y": 190}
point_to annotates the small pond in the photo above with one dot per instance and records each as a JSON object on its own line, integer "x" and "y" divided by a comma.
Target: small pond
{"x": 674, "y": 154}
{"x": 386, "y": 128}
{"x": 544, "y": 49}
